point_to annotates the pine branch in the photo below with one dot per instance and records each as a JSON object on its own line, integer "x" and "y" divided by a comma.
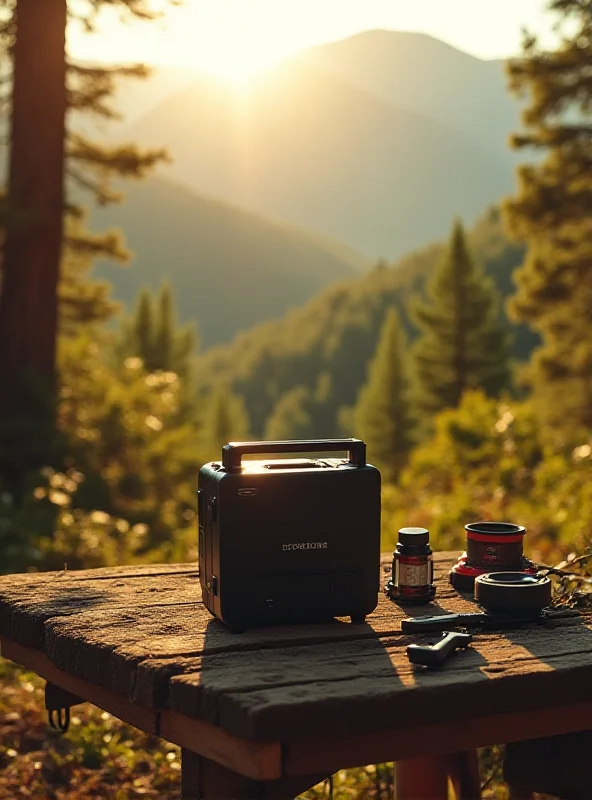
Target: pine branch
{"x": 74, "y": 212}
{"x": 96, "y": 72}
{"x": 128, "y": 9}
{"x": 106, "y": 245}
{"x": 102, "y": 194}
{"x": 90, "y": 86}
{"x": 123, "y": 160}
{"x": 7, "y": 27}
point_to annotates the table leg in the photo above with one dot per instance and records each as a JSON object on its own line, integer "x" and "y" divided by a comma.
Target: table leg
{"x": 464, "y": 775}
{"x": 203, "y": 779}
{"x": 422, "y": 778}
{"x": 427, "y": 778}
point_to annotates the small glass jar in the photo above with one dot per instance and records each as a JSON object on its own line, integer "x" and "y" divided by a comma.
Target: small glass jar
{"x": 412, "y": 578}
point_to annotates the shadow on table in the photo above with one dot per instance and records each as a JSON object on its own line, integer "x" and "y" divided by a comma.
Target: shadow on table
{"x": 329, "y": 680}
{"x": 300, "y": 681}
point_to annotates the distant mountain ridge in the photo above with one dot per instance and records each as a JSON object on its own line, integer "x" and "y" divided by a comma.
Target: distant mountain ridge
{"x": 426, "y": 75}
{"x": 306, "y": 145}
{"x": 229, "y": 268}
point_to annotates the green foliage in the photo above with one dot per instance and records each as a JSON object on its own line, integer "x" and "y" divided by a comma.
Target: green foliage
{"x": 382, "y": 416}
{"x": 335, "y": 334}
{"x": 125, "y": 490}
{"x": 290, "y": 417}
{"x": 461, "y": 344}
{"x": 126, "y": 437}
{"x": 225, "y": 421}
{"x": 487, "y": 460}
{"x": 551, "y": 213}
{"x": 152, "y": 334}
{"x": 84, "y": 301}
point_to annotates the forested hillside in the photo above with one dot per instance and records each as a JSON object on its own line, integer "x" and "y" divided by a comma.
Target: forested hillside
{"x": 229, "y": 268}
{"x": 322, "y": 349}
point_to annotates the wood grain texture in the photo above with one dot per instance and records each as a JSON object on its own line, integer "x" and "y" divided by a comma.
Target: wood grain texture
{"x": 143, "y": 718}
{"x": 144, "y": 634}
{"x": 257, "y": 760}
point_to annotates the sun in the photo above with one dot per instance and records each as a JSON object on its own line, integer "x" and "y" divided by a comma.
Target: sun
{"x": 199, "y": 36}
{"x": 233, "y": 68}
{"x": 235, "y": 61}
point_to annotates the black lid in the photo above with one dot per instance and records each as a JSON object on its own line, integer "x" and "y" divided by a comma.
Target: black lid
{"x": 414, "y": 537}
{"x": 495, "y": 528}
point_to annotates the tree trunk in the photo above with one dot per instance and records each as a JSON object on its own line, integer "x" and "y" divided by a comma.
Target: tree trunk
{"x": 34, "y": 212}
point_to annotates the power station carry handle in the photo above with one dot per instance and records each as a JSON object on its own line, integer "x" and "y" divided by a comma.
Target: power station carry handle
{"x": 233, "y": 452}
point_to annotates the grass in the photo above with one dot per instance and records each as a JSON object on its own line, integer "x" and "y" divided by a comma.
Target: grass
{"x": 101, "y": 757}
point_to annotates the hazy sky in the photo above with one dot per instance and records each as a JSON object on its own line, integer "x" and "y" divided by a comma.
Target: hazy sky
{"x": 237, "y": 37}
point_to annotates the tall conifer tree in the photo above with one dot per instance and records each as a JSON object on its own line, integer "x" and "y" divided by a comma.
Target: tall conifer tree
{"x": 552, "y": 213}
{"x": 164, "y": 340}
{"x": 44, "y": 86}
{"x": 382, "y": 416}
{"x": 153, "y": 334}
{"x": 143, "y": 329}
{"x": 461, "y": 344}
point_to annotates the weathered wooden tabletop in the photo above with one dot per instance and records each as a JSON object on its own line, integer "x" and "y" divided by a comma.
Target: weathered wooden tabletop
{"x": 289, "y": 700}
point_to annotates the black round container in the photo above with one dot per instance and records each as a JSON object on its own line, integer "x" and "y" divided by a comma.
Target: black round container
{"x": 513, "y": 593}
{"x": 495, "y": 546}
{"x": 412, "y": 578}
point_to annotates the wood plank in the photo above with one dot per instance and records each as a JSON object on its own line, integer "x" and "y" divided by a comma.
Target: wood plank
{"x": 105, "y": 642}
{"x": 255, "y": 694}
{"x": 170, "y": 650}
{"x": 143, "y": 718}
{"x": 257, "y": 760}
{"x": 98, "y": 573}
{"x": 28, "y": 601}
{"x": 27, "y": 605}
{"x": 432, "y": 740}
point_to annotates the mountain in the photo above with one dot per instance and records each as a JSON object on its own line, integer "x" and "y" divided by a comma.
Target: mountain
{"x": 305, "y": 146}
{"x": 323, "y": 348}
{"x": 229, "y": 268}
{"x": 132, "y": 98}
{"x": 423, "y": 74}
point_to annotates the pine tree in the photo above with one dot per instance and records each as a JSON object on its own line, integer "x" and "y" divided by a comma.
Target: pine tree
{"x": 291, "y": 416}
{"x": 551, "y": 213}
{"x": 382, "y": 416}
{"x": 461, "y": 344}
{"x": 43, "y": 88}
{"x": 143, "y": 328}
{"x": 164, "y": 345}
{"x": 153, "y": 334}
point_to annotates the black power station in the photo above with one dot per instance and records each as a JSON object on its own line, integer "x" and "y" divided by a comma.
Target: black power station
{"x": 289, "y": 540}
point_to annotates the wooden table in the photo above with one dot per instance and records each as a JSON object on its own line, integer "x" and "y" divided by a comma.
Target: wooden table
{"x": 270, "y": 712}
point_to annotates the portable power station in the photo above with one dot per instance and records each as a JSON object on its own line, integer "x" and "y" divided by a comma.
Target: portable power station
{"x": 289, "y": 540}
